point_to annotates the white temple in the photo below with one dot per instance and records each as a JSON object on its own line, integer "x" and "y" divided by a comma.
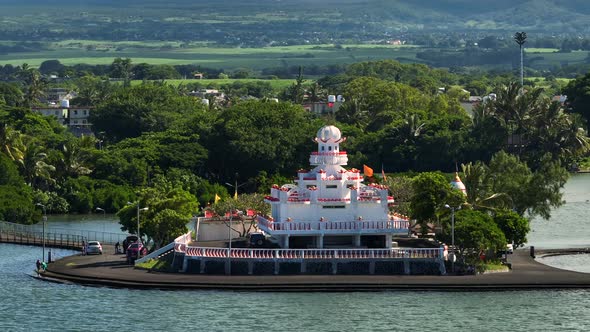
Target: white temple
{"x": 458, "y": 184}
{"x": 329, "y": 206}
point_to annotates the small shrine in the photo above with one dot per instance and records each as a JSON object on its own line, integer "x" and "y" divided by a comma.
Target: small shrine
{"x": 329, "y": 206}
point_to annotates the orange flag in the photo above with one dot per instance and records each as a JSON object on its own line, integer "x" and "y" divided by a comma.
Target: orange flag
{"x": 367, "y": 170}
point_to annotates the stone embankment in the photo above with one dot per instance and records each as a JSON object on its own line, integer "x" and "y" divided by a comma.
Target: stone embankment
{"x": 111, "y": 270}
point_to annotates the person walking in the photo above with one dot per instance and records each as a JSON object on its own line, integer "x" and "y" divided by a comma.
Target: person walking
{"x": 83, "y": 248}
{"x": 117, "y": 247}
{"x": 38, "y": 264}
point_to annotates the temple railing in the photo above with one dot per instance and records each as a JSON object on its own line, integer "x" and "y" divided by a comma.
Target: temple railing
{"x": 179, "y": 245}
{"x": 294, "y": 254}
{"x": 397, "y": 225}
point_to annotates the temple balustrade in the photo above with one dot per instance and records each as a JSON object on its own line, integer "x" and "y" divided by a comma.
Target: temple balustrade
{"x": 290, "y": 254}
{"x": 317, "y": 227}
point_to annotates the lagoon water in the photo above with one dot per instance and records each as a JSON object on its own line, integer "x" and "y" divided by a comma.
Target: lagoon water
{"x": 28, "y": 304}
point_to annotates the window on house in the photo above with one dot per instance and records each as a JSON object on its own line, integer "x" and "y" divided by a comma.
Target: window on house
{"x": 329, "y": 148}
{"x": 75, "y": 112}
{"x": 331, "y": 186}
{"x": 334, "y": 206}
{"x": 322, "y": 148}
{"x": 349, "y": 186}
{"x": 85, "y": 112}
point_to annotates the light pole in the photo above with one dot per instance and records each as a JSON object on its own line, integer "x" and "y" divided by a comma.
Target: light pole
{"x": 235, "y": 186}
{"x": 138, "y": 210}
{"x": 229, "y": 236}
{"x": 44, "y": 220}
{"x": 229, "y": 244}
{"x": 452, "y": 235}
{"x": 104, "y": 215}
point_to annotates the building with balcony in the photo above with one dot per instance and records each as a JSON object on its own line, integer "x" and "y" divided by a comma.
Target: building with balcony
{"x": 329, "y": 206}
{"x": 75, "y": 118}
{"x": 327, "y": 222}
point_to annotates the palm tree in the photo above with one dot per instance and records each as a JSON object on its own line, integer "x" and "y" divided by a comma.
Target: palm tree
{"x": 32, "y": 164}
{"x": 352, "y": 112}
{"x": 557, "y": 132}
{"x": 11, "y": 142}
{"x": 72, "y": 160}
{"x": 480, "y": 186}
{"x": 316, "y": 93}
{"x": 35, "y": 89}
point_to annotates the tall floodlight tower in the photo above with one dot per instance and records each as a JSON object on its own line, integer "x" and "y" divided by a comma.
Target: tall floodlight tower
{"x": 520, "y": 39}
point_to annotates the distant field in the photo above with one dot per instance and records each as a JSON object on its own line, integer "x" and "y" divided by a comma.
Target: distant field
{"x": 91, "y": 52}
{"x": 549, "y": 60}
{"x": 276, "y": 84}
{"x": 540, "y": 50}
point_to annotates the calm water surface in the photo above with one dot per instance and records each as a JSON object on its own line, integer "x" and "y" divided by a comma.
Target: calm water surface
{"x": 27, "y": 304}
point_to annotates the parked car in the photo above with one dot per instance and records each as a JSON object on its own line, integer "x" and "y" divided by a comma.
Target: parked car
{"x": 261, "y": 240}
{"x": 135, "y": 251}
{"x": 128, "y": 240}
{"x": 93, "y": 247}
{"x": 256, "y": 239}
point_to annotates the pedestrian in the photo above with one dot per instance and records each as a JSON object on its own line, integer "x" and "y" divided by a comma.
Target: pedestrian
{"x": 38, "y": 264}
{"x": 117, "y": 247}
{"x": 44, "y": 266}
{"x": 83, "y": 248}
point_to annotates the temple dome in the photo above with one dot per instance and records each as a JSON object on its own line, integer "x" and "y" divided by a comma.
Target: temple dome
{"x": 327, "y": 133}
{"x": 458, "y": 184}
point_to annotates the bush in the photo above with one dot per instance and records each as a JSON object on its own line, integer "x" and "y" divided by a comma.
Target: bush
{"x": 16, "y": 205}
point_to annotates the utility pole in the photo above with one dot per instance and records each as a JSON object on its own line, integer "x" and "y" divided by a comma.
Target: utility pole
{"x": 520, "y": 39}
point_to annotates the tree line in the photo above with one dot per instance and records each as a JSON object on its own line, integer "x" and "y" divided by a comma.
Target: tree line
{"x": 158, "y": 146}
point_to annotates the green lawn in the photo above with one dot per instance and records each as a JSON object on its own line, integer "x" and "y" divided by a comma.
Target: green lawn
{"x": 71, "y": 52}
{"x": 549, "y": 60}
{"x": 92, "y": 52}
{"x": 540, "y": 50}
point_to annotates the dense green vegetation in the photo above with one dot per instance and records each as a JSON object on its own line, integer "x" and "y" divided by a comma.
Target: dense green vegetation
{"x": 161, "y": 148}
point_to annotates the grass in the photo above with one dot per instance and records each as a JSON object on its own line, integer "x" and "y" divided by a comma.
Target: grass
{"x": 540, "y": 50}
{"x": 93, "y": 52}
{"x": 71, "y": 52}
{"x": 549, "y": 60}
{"x": 494, "y": 267}
{"x": 154, "y": 264}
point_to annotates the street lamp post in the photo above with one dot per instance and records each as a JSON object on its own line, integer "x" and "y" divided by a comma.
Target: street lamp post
{"x": 229, "y": 244}
{"x": 44, "y": 220}
{"x": 138, "y": 210}
{"x": 452, "y": 235}
{"x": 235, "y": 186}
{"x": 230, "y": 238}
{"x": 104, "y": 214}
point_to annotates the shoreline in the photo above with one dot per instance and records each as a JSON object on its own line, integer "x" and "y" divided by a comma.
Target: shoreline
{"x": 110, "y": 270}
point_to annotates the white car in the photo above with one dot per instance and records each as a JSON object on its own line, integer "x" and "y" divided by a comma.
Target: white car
{"x": 93, "y": 247}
